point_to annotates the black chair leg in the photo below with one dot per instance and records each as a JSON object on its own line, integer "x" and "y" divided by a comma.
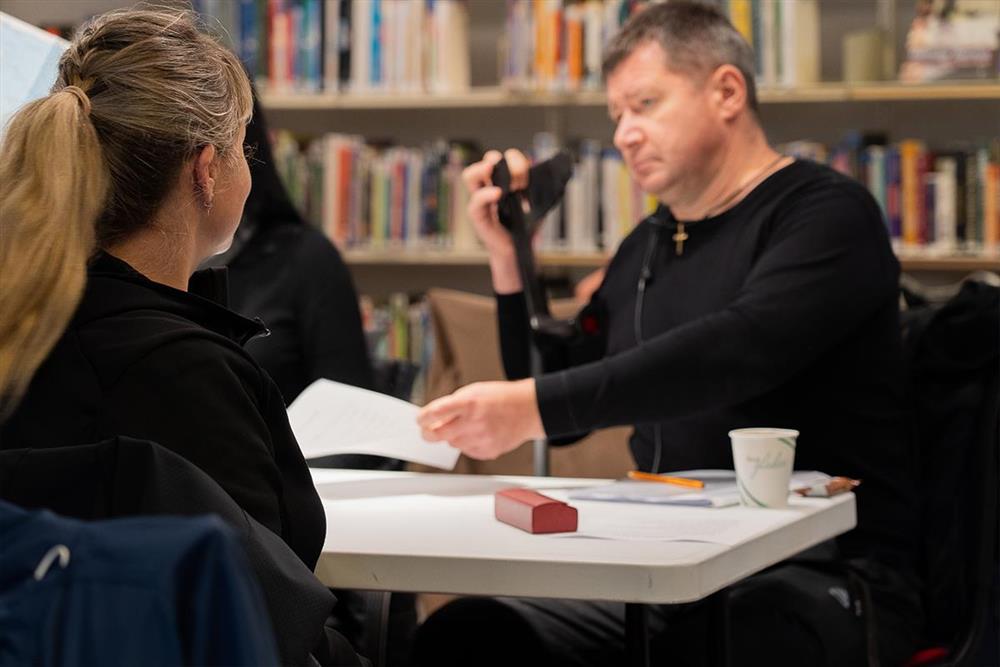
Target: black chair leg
{"x": 637, "y": 635}
{"x": 718, "y": 646}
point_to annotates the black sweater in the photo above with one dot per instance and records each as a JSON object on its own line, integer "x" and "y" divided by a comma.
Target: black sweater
{"x": 290, "y": 276}
{"x": 781, "y": 312}
{"x": 145, "y": 360}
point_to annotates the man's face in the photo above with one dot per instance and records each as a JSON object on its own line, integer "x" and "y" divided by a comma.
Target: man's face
{"x": 664, "y": 125}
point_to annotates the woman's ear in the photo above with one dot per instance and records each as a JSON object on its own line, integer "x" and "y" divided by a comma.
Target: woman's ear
{"x": 206, "y": 170}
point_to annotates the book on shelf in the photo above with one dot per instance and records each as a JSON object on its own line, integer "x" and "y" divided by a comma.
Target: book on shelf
{"x": 557, "y": 45}
{"x": 799, "y": 44}
{"x": 308, "y": 46}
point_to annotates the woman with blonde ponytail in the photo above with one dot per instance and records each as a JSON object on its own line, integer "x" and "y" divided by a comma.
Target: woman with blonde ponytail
{"x": 115, "y": 187}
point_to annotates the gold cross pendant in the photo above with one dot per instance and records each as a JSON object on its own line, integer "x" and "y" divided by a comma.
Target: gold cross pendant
{"x": 679, "y": 238}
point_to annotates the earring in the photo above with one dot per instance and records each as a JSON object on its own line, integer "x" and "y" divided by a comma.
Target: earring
{"x": 207, "y": 203}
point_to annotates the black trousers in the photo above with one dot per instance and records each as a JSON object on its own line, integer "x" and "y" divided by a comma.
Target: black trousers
{"x": 808, "y": 611}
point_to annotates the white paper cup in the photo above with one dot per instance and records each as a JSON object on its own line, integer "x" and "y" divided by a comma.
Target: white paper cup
{"x": 763, "y": 459}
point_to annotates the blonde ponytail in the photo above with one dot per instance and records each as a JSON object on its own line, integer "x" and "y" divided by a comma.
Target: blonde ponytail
{"x": 54, "y": 186}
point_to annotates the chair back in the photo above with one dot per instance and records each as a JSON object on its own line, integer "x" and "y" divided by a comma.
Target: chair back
{"x": 953, "y": 361}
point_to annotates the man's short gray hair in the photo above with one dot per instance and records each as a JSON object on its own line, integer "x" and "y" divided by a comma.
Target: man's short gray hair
{"x": 696, "y": 37}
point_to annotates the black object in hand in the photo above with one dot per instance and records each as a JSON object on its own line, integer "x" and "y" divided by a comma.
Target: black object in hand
{"x": 546, "y": 183}
{"x": 521, "y": 212}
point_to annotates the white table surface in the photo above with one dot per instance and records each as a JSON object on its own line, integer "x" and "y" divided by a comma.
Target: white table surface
{"x": 398, "y": 531}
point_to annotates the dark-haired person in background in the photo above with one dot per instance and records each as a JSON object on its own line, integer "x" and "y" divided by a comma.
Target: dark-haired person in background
{"x": 287, "y": 273}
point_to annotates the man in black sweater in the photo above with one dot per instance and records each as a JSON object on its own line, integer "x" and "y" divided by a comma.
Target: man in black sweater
{"x": 762, "y": 292}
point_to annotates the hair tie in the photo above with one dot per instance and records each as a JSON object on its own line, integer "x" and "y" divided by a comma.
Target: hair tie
{"x": 78, "y": 93}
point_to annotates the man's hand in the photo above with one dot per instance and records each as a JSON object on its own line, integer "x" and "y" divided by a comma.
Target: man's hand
{"x": 484, "y": 420}
{"x": 482, "y": 211}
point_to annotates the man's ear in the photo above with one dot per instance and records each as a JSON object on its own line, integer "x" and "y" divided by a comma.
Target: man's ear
{"x": 206, "y": 170}
{"x": 729, "y": 91}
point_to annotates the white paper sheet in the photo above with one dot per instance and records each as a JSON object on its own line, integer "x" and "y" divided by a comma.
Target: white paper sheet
{"x": 29, "y": 60}
{"x": 737, "y": 526}
{"x": 333, "y": 418}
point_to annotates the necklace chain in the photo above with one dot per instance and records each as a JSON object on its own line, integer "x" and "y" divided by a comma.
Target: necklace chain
{"x": 680, "y": 236}
{"x": 746, "y": 184}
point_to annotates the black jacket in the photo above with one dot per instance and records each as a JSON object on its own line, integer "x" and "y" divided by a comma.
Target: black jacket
{"x": 144, "y": 360}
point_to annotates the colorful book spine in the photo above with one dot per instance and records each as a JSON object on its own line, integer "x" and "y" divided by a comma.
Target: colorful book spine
{"x": 973, "y": 203}
{"x": 874, "y": 159}
{"x": 375, "y": 44}
{"x": 249, "y": 37}
{"x": 945, "y": 222}
{"x": 741, "y": 16}
{"x": 910, "y": 157}
{"x": 757, "y": 38}
{"x": 991, "y": 205}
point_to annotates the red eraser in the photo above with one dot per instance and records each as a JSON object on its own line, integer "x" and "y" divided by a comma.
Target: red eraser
{"x": 532, "y": 512}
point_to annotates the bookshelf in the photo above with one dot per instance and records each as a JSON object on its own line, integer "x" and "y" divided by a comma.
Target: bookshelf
{"x": 961, "y": 264}
{"x": 490, "y": 97}
{"x": 910, "y": 261}
{"x": 499, "y": 117}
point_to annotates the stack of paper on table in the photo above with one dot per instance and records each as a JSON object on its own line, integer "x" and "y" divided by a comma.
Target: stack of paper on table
{"x": 333, "y": 418}
{"x": 719, "y": 491}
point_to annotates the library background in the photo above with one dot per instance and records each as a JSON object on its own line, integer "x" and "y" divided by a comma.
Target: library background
{"x": 376, "y": 105}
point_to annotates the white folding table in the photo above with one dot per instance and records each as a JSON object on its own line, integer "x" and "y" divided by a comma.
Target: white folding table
{"x": 397, "y": 531}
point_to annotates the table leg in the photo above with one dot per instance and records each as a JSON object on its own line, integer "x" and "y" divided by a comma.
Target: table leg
{"x": 636, "y": 635}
